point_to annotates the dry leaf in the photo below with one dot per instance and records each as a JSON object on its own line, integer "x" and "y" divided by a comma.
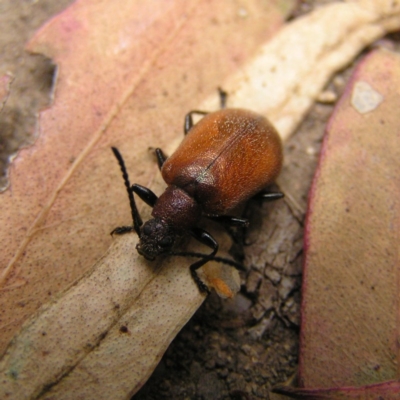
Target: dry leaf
{"x": 350, "y": 290}
{"x": 386, "y": 391}
{"x": 114, "y": 73}
{"x": 124, "y": 81}
{"x": 290, "y": 71}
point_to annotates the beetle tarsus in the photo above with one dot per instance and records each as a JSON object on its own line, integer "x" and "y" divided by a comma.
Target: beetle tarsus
{"x": 120, "y": 230}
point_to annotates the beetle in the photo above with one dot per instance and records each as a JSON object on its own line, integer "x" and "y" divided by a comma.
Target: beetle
{"x": 225, "y": 159}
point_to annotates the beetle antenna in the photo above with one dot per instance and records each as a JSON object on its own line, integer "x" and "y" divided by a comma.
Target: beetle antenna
{"x": 210, "y": 257}
{"x": 137, "y": 220}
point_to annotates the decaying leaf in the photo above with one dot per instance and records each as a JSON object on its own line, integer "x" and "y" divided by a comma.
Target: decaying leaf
{"x": 127, "y": 81}
{"x": 350, "y": 290}
{"x": 104, "y": 326}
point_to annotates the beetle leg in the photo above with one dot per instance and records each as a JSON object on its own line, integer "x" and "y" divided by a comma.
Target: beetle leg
{"x": 222, "y": 97}
{"x": 161, "y": 157}
{"x": 120, "y": 230}
{"x": 229, "y": 220}
{"x": 189, "y": 116}
{"x": 193, "y": 270}
{"x": 269, "y": 196}
{"x": 145, "y": 194}
{"x": 189, "y": 119}
{"x": 137, "y": 220}
{"x": 204, "y": 237}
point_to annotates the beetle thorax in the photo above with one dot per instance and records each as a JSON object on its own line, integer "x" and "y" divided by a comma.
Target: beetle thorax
{"x": 174, "y": 212}
{"x": 177, "y": 208}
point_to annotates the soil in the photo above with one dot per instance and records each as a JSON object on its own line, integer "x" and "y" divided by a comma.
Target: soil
{"x": 236, "y": 349}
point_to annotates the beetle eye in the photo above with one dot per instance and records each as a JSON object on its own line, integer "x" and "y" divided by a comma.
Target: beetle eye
{"x": 147, "y": 229}
{"x": 165, "y": 241}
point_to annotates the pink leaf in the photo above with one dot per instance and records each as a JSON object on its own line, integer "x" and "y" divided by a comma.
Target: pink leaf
{"x": 386, "y": 390}
{"x": 350, "y": 325}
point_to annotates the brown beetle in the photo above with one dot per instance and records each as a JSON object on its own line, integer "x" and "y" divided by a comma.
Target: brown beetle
{"x": 225, "y": 159}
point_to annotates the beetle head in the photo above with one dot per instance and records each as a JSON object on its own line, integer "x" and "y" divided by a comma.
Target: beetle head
{"x": 156, "y": 237}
